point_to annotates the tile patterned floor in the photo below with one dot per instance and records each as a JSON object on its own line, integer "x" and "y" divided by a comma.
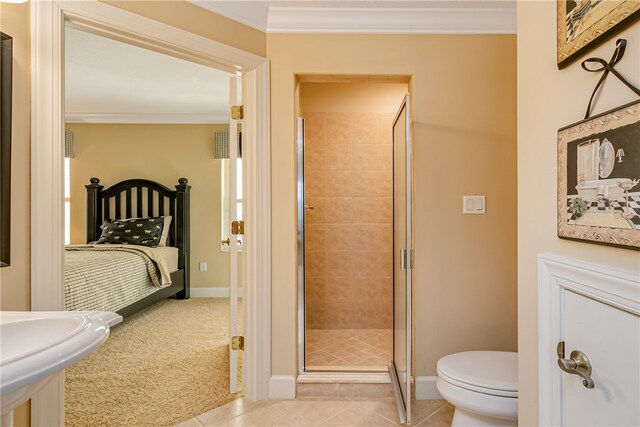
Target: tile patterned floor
{"x": 613, "y": 207}
{"x": 348, "y": 349}
{"x": 322, "y": 412}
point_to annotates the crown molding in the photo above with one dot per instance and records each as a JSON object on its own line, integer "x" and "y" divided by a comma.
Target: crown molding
{"x": 131, "y": 118}
{"x": 498, "y": 20}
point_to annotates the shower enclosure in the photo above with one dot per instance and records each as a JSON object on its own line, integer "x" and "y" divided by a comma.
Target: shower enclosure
{"x": 353, "y": 251}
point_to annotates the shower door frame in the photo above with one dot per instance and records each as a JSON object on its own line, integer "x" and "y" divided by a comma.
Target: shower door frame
{"x": 302, "y": 326}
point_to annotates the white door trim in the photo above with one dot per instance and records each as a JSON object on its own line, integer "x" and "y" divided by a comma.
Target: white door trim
{"x": 556, "y": 274}
{"x": 47, "y": 256}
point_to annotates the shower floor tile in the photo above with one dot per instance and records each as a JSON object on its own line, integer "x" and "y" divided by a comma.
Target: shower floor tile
{"x": 348, "y": 349}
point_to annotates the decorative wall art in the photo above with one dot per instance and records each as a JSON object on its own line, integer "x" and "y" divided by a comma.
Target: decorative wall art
{"x": 599, "y": 178}
{"x": 583, "y": 24}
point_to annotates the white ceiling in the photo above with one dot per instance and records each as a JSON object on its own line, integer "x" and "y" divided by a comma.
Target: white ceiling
{"x": 107, "y": 81}
{"x": 366, "y": 16}
{"x": 112, "y": 82}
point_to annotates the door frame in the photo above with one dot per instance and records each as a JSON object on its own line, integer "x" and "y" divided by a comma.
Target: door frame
{"x": 556, "y": 275}
{"x": 47, "y": 143}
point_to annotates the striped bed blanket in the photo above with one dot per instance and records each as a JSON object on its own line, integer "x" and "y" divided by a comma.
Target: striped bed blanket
{"x": 110, "y": 277}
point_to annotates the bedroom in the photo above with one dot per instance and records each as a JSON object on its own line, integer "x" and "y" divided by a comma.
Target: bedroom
{"x": 165, "y": 114}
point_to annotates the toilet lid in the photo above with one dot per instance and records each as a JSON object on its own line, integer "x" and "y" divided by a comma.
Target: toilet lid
{"x": 490, "y": 372}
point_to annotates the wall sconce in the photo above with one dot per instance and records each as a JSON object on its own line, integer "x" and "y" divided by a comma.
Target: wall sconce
{"x": 221, "y": 149}
{"x": 620, "y": 155}
{"x": 69, "y": 146}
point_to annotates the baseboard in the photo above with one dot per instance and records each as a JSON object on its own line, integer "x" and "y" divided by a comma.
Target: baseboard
{"x": 213, "y": 292}
{"x": 426, "y": 388}
{"x": 282, "y": 387}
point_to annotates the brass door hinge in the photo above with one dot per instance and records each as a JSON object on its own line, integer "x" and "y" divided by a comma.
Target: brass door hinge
{"x": 237, "y": 112}
{"x": 237, "y": 343}
{"x": 237, "y": 227}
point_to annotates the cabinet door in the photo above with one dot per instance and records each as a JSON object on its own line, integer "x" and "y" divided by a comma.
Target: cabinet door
{"x": 610, "y": 338}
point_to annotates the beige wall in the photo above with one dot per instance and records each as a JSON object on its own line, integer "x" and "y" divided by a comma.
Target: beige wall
{"x": 348, "y": 181}
{"x": 464, "y": 120}
{"x": 15, "y": 280}
{"x": 162, "y": 153}
{"x": 189, "y": 17}
{"x": 549, "y": 99}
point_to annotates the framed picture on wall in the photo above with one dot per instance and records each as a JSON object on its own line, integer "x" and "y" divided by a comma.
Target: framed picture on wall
{"x": 599, "y": 178}
{"x": 584, "y": 24}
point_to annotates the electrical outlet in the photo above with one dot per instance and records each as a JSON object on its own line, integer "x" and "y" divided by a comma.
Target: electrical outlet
{"x": 203, "y": 266}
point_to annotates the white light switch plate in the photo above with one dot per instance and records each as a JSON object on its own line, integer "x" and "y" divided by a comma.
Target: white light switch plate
{"x": 473, "y": 204}
{"x": 203, "y": 266}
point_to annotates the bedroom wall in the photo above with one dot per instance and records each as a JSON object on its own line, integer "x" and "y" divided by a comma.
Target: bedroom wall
{"x": 464, "y": 119}
{"x": 549, "y": 99}
{"x": 15, "y": 286}
{"x": 163, "y": 153}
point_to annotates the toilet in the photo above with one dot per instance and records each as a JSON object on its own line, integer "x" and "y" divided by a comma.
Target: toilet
{"x": 482, "y": 385}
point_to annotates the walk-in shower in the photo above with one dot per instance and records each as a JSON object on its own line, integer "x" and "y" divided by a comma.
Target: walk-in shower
{"x": 345, "y": 214}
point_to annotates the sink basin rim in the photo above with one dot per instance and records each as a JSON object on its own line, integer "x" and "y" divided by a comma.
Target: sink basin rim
{"x": 34, "y": 366}
{"x": 84, "y": 323}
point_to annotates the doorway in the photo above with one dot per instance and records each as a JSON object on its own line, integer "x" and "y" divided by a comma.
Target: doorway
{"x": 346, "y": 223}
{"x": 47, "y": 160}
{"x": 155, "y": 118}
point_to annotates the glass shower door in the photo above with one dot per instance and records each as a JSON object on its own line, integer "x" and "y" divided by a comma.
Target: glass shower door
{"x": 400, "y": 368}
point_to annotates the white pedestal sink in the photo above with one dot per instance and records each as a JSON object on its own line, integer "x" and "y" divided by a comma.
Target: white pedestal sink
{"x": 35, "y": 345}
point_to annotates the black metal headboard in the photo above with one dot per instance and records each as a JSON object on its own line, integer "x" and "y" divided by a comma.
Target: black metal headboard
{"x": 141, "y": 198}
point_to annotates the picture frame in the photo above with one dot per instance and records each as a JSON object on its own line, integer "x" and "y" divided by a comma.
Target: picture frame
{"x": 584, "y": 24}
{"x": 6, "y": 79}
{"x": 599, "y": 178}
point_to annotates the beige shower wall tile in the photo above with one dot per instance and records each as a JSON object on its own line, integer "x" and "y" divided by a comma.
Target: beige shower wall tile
{"x": 339, "y": 209}
{"x": 340, "y": 264}
{"x": 372, "y": 287}
{"x": 315, "y": 263}
{"x": 373, "y": 209}
{"x": 372, "y": 236}
{"x": 372, "y": 157}
{"x": 371, "y": 184}
{"x": 339, "y": 128}
{"x": 318, "y": 213}
{"x": 339, "y": 157}
{"x": 315, "y": 288}
{"x": 315, "y": 237}
{"x": 365, "y": 128}
{"x": 315, "y": 128}
{"x": 372, "y": 263}
{"x": 339, "y": 237}
{"x": 385, "y": 129}
{"x": 315, "y": 183}
{"x": 373, "y": 313}
{"x": 340, "y": 288}
{"x": 341, "y": 314}
{"x": 316, "y": 314}
{"x": 340, "y": 183}
{"x": 315, "y": 157}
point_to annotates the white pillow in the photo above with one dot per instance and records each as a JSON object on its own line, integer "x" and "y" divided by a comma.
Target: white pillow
{"x": 165, "y": 231}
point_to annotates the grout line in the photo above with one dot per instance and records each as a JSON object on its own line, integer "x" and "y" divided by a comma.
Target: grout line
{"x": 434, "y": 412}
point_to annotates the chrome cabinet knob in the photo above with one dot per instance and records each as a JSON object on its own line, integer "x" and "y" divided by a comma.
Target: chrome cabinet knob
{"x": 577, "y": 364}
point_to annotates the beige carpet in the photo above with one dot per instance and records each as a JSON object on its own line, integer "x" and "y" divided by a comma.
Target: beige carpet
{"x": 160, "y": 367}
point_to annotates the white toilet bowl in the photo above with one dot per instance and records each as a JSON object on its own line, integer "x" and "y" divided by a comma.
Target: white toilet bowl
{"x": 482, "y": 385}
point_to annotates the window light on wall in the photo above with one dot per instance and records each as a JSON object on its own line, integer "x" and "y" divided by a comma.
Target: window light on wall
{"x": 222, "y": 153}
{"x": 69, "y": 153}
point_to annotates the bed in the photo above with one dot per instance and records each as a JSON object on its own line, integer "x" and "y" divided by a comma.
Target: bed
{"x": 126, "y": 278}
